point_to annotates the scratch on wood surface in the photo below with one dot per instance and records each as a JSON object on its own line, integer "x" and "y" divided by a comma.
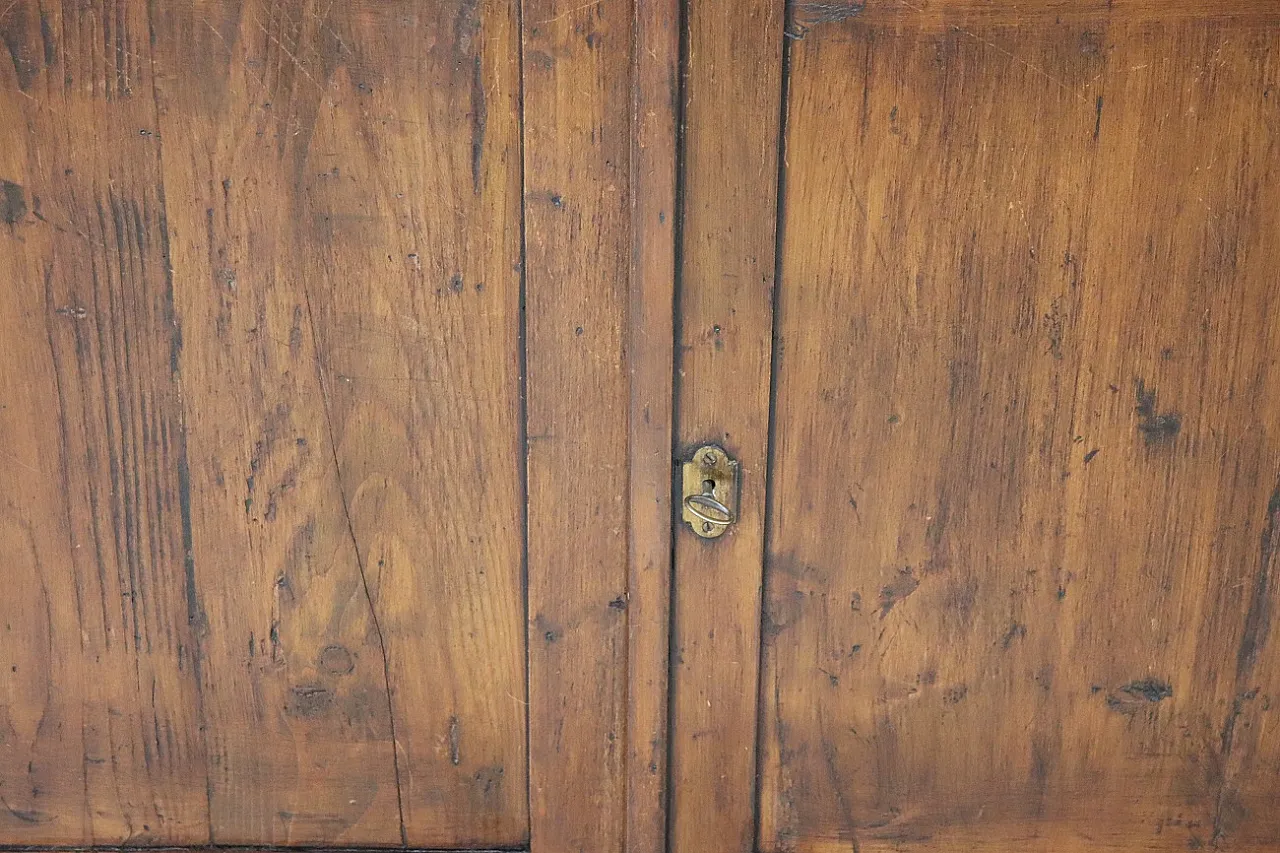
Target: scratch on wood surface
{"x": 573, "y": 11}
{"x": 866, "y": 216}
{"x": 323, "y": 18}
{"x": 216, "y": 32}
{"x": 1006, "y": 52}
{"x": 301, "y": 66}
{"x": 16, "y": 461}
{"x": 231, "y": 51}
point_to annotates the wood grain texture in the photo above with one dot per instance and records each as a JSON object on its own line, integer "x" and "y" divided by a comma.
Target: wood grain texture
{"x": 350, "y": 292}
{"x": 1022, "y": 571}
{"x": 725, "y": 316}
{"x": 577, "y": 145}
{"x": 655, "y": 69}
{"x": 276, "y": 304}
{"x": 99, "y": 738}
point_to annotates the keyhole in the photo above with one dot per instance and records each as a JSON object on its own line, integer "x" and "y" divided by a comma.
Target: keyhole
{"x": 709, "y": 487}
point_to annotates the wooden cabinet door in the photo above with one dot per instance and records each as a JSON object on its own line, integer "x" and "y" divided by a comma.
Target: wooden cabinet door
{"x": 345, "y": 348}
{"x": 1009, "y": 421}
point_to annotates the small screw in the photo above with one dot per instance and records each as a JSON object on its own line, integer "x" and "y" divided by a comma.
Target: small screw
{"x": 706, "y": 526}
{"x": 709, "y": 458}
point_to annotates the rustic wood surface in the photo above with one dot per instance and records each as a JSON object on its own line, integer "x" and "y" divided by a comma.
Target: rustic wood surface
{"x": 724, "y": 330}
{"x": 263, "y": 502}
{"x": 577, "y": 108}
{"x": 99, "y": 697}
{"x": 346, "y": 348}
{"x": 1024, "y": 547}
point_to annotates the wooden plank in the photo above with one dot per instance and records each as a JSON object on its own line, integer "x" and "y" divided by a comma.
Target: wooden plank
{"x": 229, "y": 849}
{"x": 725, "y": 314}
{"x": 1024, "y": 520}
{"x": 942, "y": 15}
{"x": 343, "y": 189}
{"x": 99, "y": 735}
{"x": 577, "y": 137}
{"x": 655, "y": 69}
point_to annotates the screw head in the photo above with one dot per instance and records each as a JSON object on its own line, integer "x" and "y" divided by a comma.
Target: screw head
{"x": 706, "y": 526}
{"x": 709, "y": 458}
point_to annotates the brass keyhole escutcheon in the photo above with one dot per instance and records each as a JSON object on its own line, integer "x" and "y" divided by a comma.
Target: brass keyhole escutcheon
{"x": 710, "y": 502}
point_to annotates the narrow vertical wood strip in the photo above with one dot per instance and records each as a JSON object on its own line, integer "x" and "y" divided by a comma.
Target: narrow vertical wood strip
{"x": 577, "y": 146}
{"x": 732, "y": 108}
{"x": 655, "y": 91}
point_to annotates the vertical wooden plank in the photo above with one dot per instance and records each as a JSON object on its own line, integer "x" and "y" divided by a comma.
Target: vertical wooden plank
{"x": 725, "y": 317}
{"x": 651, "y": 339}
{"x": 99, "y": 731}
{"x": 1024, "y": 511}
{"x": 344, "y": 213}
{"x": 577, "y": 144}
{"x": 288, "y": 645}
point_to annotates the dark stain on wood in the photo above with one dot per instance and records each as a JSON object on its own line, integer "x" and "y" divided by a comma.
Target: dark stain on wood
{"x": 1015, "y": 631}
{"x": 16, "y": 35}
{"x": 479, "y": 120}
{"x": 1133, "y": 696}
{"x": 1228, "y": 811}
{"x": 961, "y": 599}
{"x": 489, "y": 780}
{"x": 309, "y": 700}
{"x": 455, "y": 741}
{"x": 903, "y": 584}
{"x": 805, "y": 16}
{"x": 1156, "y": 427}
{"x": 13, "y": 203}
{"x": 1257, "y": 624}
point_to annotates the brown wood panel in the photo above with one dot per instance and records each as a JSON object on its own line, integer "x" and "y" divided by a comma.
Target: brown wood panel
{"x": 725, "y": 315}
{"x": 655, "y": 68}
{"x": 1023, "y": 556}
{"x": 578, "y": 251}
{"x": 99, "y": 736}
{"x": 263, "y": 495}
{"x": 344, "y": 190}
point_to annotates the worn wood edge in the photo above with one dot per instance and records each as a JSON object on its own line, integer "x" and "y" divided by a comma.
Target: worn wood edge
{"x": 949, "y": 15}
{"x": 651, "y": 341}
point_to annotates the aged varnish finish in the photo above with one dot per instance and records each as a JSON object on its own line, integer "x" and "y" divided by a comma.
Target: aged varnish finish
{"x": 351, "y": 352}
